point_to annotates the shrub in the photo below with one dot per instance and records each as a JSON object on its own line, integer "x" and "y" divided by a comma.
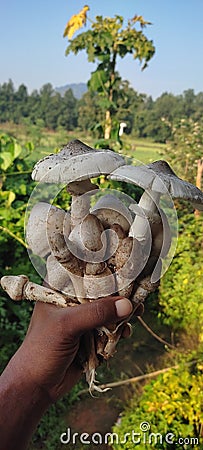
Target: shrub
{"x": 170, "y": 404}
{"x": 181, "y": 295}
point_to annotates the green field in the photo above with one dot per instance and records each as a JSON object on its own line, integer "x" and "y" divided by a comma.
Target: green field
{"x": 47, "y": 141}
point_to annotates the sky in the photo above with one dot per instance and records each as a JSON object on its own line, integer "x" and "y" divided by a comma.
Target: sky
{"x": 32, "y": 47}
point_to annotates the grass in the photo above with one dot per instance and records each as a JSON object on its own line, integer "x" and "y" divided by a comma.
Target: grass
{"x": 47, "y": 141}
{"x": 142, "y": 150}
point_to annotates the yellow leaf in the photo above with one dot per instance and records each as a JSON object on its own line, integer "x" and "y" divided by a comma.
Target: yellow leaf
{"x": 11, "y": 198}
{"x": 76, "y": 22}
{"x": 141, "y": 20}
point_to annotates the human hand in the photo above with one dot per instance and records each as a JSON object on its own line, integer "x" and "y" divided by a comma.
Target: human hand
{"x": 49, "y": 351}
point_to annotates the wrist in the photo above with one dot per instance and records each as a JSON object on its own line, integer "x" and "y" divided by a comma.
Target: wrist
{"x": 21, "y": 373}
{"x": 23, "y": 403}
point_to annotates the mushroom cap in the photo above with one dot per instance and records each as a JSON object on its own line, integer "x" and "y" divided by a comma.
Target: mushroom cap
{"x": 159, "y": 177}
{"x": 111, "y": 210}
{"x": 76, "y": 162}
{"x": 44, "y": 222}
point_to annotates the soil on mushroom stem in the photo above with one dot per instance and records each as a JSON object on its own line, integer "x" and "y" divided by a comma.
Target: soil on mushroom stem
{"x": 135, "y": 356}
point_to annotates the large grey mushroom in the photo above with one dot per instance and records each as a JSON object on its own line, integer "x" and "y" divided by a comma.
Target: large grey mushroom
{"x": 156, "y": 179}
{"x": 75, "y": 165}
{"x": 150, "y": 225}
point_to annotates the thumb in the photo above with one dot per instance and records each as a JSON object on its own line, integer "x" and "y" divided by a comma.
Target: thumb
{"x": 85, "y": 317}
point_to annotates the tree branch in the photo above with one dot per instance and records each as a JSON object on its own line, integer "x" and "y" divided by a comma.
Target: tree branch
{"x": 6, "y": 230}
{"x": 143, "y": 323}
{"x": 138, "y": 378}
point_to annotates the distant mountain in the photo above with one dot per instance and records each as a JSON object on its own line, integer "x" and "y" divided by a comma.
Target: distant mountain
{"x": 78, "y": 89}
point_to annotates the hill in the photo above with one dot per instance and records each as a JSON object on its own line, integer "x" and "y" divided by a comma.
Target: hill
{"x": 78, "y": 89}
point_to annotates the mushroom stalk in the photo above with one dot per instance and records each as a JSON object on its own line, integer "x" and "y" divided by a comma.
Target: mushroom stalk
{"x": 140, "y": 227}
{"x": 20, "y": 288}
{"x": 67, "y": 266}
{"x": 149, "y": 201}
{"x": 80, "y": 205}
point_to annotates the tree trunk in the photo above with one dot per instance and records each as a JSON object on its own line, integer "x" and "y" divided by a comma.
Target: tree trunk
{"x": 108, "y": 118}
{"x": 107, "y": 131}
{"x": 199, "y": 179}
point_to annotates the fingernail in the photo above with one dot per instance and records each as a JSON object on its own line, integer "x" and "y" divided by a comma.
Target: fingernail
{"x": 123, "y": 307}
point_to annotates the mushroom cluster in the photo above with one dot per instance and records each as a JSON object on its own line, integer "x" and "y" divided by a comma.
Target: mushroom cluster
{"x": 99, "y": 248}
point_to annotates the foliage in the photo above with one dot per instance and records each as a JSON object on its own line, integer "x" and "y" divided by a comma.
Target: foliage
{"x": 90, "y": 116}
{"x": 16, "y": 188}
{"x": 15, "y": 185}
{"x": 185, "y": 147}
{"x": 76, "y": 22}
{"x": 155, "y": 118}
{"x": 158, "y": 119}
{"x": 46, "y": 107}
{"x": 170, "y": 404}
{"x": 181, "y": 295}
{"x": 104, "y": 42}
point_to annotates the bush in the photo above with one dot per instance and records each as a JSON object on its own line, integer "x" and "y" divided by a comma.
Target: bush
{"x": 170, "y": 404}
{"x": 181, "y": 295}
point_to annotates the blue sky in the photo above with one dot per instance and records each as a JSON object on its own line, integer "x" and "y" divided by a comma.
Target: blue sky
{"x": 32, "y": 47}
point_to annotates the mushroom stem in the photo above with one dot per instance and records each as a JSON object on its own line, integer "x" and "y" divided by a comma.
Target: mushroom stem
{"x": 80, "y": 205}
{"x": 149, "y": 201}
{"x": 140, "y": 228}
{"x": 143, "y": 289}
{"x": 68, "y": 265}
{"x": 108, "y": 350}
{"x": 20, "y": 288}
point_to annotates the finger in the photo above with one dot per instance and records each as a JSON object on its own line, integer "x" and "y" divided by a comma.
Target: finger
{"x": 95, "y": 314}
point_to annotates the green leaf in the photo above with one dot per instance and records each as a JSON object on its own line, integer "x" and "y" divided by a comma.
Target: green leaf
{"x": 16, "y": 150}
{"x": 11, "y": 198}
{"x": 98, "y": 80}
{"x": 29, "y": 146}
{"x": 7, "y": 160}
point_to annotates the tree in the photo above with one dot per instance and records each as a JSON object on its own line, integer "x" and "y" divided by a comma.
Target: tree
{"x": 34, "y": 106}
{"x": 6, "y": 101}
{"x": 89, "y": 113}
{"x": 105, "y": 42}
{"x": 21, "y": 103}
{"x": 46, "y": 93}
{"x": 68, "y": 115}
{"x": 185, "y": 148}
{"x": 127, "y": 105}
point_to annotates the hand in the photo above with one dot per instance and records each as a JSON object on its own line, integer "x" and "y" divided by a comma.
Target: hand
{"x": 45, "y": 366}
{"x": 49, "y": 351}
